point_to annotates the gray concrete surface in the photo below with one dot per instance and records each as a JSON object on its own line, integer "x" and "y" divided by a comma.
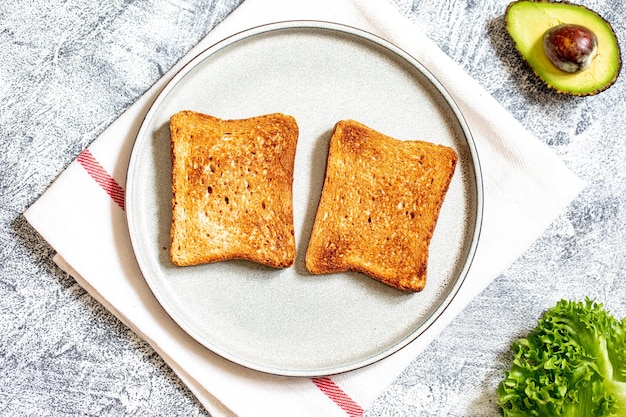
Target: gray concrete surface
{"x": 69, "y": 68}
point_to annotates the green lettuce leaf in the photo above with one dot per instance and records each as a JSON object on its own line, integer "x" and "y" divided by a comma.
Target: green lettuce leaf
{"x": 572, "y": 364}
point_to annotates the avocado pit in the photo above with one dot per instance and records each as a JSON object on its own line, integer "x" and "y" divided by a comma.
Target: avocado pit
{"x": 570, "y": 47}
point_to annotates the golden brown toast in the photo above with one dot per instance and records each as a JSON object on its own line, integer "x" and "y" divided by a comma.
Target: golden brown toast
{"x": 232, "y": 189}
{"x": 379, "y": 206}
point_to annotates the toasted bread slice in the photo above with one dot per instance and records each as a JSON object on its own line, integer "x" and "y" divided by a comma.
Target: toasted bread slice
{"x": 232, "y": 189}
{"x": 380, "y": 202}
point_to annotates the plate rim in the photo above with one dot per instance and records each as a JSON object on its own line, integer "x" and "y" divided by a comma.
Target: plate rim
{"x": 405, "y": 56}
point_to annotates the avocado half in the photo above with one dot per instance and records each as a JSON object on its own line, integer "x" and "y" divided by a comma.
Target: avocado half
{"x": 528, "y": 20}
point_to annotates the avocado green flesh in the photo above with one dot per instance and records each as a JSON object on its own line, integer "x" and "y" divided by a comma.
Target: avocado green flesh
{"x": 528, "y": 20}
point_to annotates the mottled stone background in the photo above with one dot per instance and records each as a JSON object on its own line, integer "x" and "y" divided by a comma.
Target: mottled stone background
{"x": 69, "y": 68}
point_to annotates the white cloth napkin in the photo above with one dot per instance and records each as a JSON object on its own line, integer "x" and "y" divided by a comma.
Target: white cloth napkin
{"x": 526, "y": 186}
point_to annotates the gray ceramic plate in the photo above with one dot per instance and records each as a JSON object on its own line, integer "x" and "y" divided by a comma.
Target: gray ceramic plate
{"x": 287, "y": 321}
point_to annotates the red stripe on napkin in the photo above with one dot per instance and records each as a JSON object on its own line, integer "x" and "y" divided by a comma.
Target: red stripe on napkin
{"x": 116, "y": 192}
{"x": 339, "y": 397}
{"x": 106, "y": 181}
